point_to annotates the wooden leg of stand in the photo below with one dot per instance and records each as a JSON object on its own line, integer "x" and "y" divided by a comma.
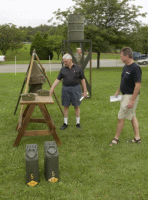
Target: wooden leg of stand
{"x": 24, "y": 114}
{"x": 24, "y": 124}
{"x": 49, "y": 122}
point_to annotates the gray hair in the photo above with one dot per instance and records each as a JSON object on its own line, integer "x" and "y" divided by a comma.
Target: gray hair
{"x": 67, "y": 56}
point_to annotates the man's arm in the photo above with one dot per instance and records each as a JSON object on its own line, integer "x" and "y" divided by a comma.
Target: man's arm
{"x": 84, "y": 87}
{"x": 56, "y": 82}
{"x": 135, "y": 93}
{"x": 117, "y": 93}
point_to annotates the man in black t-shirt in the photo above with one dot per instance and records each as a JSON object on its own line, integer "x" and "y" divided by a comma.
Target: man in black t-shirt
{"x": 130, "y": 88}
{"x": 71, "y": 89}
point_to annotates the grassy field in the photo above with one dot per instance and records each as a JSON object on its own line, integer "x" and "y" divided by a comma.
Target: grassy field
{"x": 23, "y": 56}
{"x": 89, "y": 167}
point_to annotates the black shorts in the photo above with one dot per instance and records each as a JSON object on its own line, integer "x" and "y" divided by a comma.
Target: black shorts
{"x": 71, "y": 95}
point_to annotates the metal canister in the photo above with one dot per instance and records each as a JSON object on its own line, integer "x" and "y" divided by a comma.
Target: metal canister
{"x": 51, "y": 162}
{"x": 75, "y": 27}
{"x": 32, "y": 166}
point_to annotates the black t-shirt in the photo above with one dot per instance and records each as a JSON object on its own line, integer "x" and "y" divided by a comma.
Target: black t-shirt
{"x": 130, "y": 75}
{"x": 71, "y": 77}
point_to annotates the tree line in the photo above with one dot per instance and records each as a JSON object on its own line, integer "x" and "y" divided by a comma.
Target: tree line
{"x": 45, "y": 39}
{"x": 111, "y": 24}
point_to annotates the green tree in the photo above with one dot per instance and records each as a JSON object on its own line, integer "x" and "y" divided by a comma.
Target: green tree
{"x": 56, "y": 42}
{"x": 38, "y": 45}
{"x": 10, "y": 38}
{"x": 139, "y": 39}
{"x": 42, "y": 47}
{"x": 48, "y": 46}
{"x": 108, "y": 21}
{"x": 61, "y": 30}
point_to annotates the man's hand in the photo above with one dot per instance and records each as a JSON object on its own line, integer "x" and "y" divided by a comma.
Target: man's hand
{"x": 51, "y": 91}
{"x": 130, "y": 104}
{"x": 116, "y": 94}
{"x": 85, "y": 94}
{"x": 84, "y": 87}
{"x": 56, "y": 82}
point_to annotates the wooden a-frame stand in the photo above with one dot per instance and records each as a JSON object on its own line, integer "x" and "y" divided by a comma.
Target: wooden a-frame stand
{"x": 25, "y": 117}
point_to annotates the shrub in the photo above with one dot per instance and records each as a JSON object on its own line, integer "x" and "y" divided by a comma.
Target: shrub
{"x": 42, "y": 49}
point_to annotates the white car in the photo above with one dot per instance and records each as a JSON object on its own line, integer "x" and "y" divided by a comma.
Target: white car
{"x": 143, "y": 61}
{"x": 2, "y": 58}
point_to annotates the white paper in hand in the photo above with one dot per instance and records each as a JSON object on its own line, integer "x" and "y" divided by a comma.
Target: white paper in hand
{"x": 114, "y": 98}
{"x": 82, "y": 98}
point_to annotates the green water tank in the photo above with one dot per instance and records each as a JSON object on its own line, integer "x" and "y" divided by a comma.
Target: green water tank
{"x": 32, "y": 166}
{"x": 75, "y": 27}
{"x": 51, "y": 162}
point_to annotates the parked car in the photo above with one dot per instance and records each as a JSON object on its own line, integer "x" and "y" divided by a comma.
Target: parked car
{"x": 2, "y": 58}
{"x": 143, "y": 56}
{"x": 143, "y": 61}
{"x": 136, "y": 55}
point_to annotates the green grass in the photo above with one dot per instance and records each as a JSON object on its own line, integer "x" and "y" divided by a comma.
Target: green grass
{"x": 89, "y": 167}
{"x": 23, "y": 56}
{"x": 110, "y": 56}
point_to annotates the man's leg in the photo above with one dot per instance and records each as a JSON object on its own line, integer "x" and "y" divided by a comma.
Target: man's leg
{"x": 65, "y": 111}
{"x": 77, "y": 113}
{"x": 66, "y": 115}
{"x": 135, "y": 125}
{"x": 120, "y": 126}
{"x": 65, "y": 125}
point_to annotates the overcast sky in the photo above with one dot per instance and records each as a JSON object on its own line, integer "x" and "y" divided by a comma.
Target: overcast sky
{"x": 34, "y": 13}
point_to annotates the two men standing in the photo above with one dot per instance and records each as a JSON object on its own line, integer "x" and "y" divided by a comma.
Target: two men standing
{"x": 129, "y": 87}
